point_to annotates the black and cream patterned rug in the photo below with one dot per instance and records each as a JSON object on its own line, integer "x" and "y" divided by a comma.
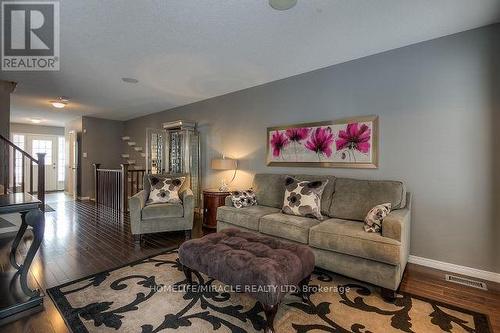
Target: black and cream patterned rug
{"x": 150, "y": 296}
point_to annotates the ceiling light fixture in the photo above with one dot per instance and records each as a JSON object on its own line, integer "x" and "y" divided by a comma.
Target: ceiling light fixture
{"x": 129, "y": 80}
{"x": 282, "y": 4}
{"x": 60, "y": 102}
{"x": 35, "y": 121}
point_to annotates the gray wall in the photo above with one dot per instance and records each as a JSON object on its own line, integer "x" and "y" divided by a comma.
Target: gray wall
{"x": 36, "y": 129}
{"x": 438, "y": 108}
{"x": 101, "y": 140}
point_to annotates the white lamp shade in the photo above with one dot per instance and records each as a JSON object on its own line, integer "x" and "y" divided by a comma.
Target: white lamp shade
{"x": 224, "y": 164}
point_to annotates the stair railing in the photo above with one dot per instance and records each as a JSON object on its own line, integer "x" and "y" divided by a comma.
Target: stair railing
{"x": 113, "y": 187}
{"x": 13, "y": 158}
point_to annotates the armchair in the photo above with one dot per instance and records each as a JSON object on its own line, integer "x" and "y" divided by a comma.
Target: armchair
{"x": 161, "y": 217}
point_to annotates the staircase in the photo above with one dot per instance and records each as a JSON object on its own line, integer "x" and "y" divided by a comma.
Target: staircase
{"x": 17, "y": 170}
{"x": 134, "y": 154}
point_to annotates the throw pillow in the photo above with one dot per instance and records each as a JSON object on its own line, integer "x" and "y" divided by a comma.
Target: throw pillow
{"x": 374, "y": 218}
{"x": 243, "y": 198}
{"x": 164, "y": 189}
{"x": 303, "y": 198}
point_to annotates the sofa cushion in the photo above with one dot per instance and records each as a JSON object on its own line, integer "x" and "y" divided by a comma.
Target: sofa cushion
{"x": 349, "y": 237}
{"x": 160, "y": 210}
{"x": 165, "y": 189}
{"x": 303, "y": 198}
{"x": 326, "y": 197}
{"x": 147, "y": 184}
{"x": 245, "y": 198}
{"x": 270, "y": 189}
{"x": 246, "y": 217}
{"x": 353, "y": 198}
{"x": 294, "y": 228}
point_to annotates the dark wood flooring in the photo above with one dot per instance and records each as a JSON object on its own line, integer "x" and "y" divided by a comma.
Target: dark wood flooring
{"x": 81, "y": 240}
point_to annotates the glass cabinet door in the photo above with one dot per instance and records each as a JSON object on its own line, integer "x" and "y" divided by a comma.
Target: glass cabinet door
{"x": 155, "y": 150}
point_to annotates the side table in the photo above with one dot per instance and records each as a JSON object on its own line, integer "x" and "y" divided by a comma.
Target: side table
{"x": 212, "y": 199}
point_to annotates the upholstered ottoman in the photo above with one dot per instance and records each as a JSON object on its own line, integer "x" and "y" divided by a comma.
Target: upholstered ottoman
{"x": 264, "y": 267}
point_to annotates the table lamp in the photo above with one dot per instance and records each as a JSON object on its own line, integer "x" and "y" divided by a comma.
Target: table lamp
{"x": 225, "y": 164}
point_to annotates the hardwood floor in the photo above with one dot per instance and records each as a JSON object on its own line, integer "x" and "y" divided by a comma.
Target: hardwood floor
{"x": 81, "y": 240}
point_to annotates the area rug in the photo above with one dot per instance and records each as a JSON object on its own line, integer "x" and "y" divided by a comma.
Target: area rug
{"x": 151, "y": 295}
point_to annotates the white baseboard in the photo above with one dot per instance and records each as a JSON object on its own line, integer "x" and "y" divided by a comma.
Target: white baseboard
{"x": 444, "y": 266}
{"x": 84, "y": 198}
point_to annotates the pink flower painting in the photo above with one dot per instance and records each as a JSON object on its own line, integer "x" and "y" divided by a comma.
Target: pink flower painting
{"x": 321, "y": 141}
{"x": 278, "y": 142}
{"x": 297, "y": 134}
{"x": 354, "y": 138}
{"x": 343, "y": 143}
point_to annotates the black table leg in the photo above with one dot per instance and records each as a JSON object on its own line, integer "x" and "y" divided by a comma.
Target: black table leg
{"x": 270, "y": 311}
{"x": 17, "y": 240}
{"x": 36, "y": 220}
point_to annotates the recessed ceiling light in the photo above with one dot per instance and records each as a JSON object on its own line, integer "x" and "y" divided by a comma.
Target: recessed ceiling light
{"x": 129, "y": 80}
{"x": 60, "y": 102}
{"x": 282, "y": 4}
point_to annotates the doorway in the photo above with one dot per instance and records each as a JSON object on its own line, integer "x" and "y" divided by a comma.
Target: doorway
{"x": 54, "y": 148}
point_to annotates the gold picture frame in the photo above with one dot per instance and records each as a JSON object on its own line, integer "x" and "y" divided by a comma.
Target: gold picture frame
{"x": 288, "y": 146}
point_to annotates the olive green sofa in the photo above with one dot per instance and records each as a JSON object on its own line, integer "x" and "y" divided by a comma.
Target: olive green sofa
{"x": 339, "y": 242}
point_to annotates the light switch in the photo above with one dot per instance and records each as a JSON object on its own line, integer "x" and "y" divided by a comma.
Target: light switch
{"x": 84, "y": 155}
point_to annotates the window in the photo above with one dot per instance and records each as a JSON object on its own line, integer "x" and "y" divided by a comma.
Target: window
{"x": 61, "y": 156}
{"x": 43, "y": 146}
{"x": 18, "y": 140}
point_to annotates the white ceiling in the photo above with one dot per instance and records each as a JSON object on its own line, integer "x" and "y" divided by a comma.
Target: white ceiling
{"x": 183, "y": 51}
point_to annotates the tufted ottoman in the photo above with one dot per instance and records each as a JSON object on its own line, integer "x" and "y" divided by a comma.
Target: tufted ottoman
{"x": 264, "y": 267}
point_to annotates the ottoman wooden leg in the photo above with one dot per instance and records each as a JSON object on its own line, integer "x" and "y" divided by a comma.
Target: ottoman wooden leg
{"x": 303, "y": 288}
{"x": 189, "y": 274}
{"x": 270, "y": 311}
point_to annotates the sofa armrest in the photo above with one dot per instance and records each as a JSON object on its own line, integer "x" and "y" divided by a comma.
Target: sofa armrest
{"x": 396, "y": 225}
{"x": 228, "y": 202}
{"x": 188, "y": 204}
{"x": 136, "y": 203}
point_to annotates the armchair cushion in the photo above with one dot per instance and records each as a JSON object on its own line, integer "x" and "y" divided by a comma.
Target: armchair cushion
{"x": 161, "y": 210}
{"x": 165, "y": 188}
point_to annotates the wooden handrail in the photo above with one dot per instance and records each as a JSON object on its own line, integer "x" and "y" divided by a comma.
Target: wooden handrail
{"x": 10, "y": 143}
{"x": 109, "y": 170}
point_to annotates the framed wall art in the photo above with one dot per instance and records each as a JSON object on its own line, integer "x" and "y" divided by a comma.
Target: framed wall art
{"x": 345, "y": 143}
